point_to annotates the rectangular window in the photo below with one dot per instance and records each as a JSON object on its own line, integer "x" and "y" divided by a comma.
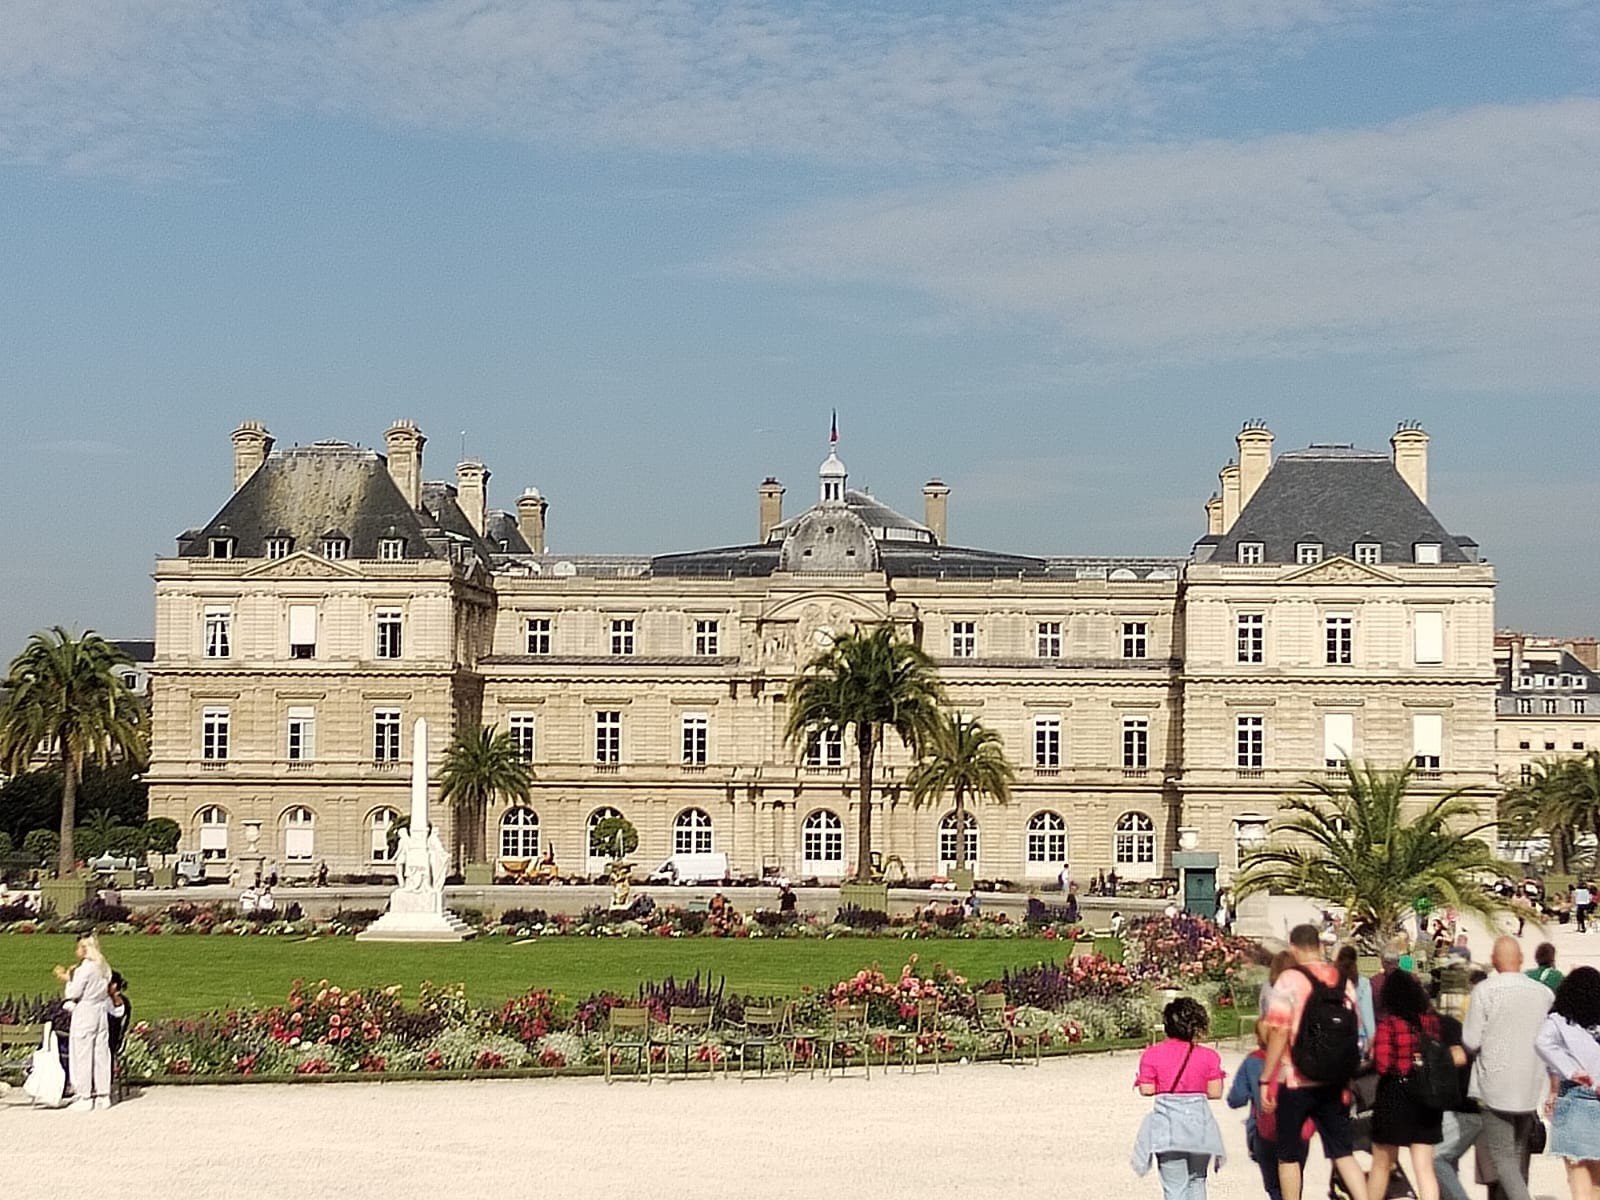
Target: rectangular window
{"x": 1135, "y": 639}
{"x": 1252, "y": 630}
{"x": 1580, "y": 707}
{"x": 1339, "y": 638}
{"x": 1307, "y": 553}
{"x": 1527, "y": 774}
{"x": 1135, "y": 743}
{"x": 622, "y": 636}
{"x": 1049, "y": 639}
{"x": 1552, "y": 707}
{"x": 219, "y": 633}
{"x": 386, "y": 735}
{"x": 336, "y": 548}
{"x": 222, "y": 547}
{"x": 608, "y": 737}
{"x": 1047, "y": 743}
{"x": 1524, "y": 705}
{"x": 1250, "y": 734}
{"x": 1427, "y": 638}
{"x": 825, "y": 750}
{"x": 1427, "y": 740}
{"x": 1427, "y": 552}
{"x": 1369, "y": 554}
{"x": 302, "y": 734}
{"x": 1251, "y": 554}
{"x": 391, "y": 549}
{"x": 389, "y": 632}
{"x": 538, "y": 635}
{"x": 302, "y": 630}
{"x": 520, "y": 726}
{"x": 1338, "y": 739}
{"x": 214, "y": 734}
{"x": 279, "y": 547}
{"x": 707, "y": 639}
{"x": 696, "y": 739}
{"x": 963, "y": 639}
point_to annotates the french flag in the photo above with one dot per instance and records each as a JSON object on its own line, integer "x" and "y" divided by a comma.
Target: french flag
{"x": 833, "y": 431}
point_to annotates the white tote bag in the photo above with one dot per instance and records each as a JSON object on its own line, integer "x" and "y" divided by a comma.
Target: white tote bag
{"x": 46, "y": 1081}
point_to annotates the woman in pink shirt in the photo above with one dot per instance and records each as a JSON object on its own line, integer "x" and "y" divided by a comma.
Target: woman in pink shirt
{"x": 1180, "y": 1135}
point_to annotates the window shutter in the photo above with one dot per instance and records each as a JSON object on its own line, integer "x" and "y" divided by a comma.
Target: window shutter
{"x": 302, "y": 624}
{"x": 1427, "y": 735}
{"x": 1338, "y": 736}
{"x": 1428, "y": 637}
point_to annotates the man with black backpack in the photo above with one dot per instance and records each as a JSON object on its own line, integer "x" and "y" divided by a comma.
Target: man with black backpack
{"x": 1314, "y": 1041}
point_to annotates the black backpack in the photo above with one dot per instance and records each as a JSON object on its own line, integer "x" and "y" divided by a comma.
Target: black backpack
{"x": 1433, "y": 1081}
{"x": 1327, "y": 1049}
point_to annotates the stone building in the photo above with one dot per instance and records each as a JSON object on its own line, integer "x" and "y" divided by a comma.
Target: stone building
{"x": 1149, "y": 704}
{"x": 1548, "y": 704}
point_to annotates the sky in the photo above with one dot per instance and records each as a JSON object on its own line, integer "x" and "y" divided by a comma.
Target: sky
{"x": 633, "y": 252}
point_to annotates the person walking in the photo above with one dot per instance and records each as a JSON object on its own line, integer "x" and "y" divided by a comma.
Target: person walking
{"x": 1582, "y": 898}
{"x": 1459, "y": 1126}
{"x": 1314, "y": 1042}
{"x": 1398, "y": 1118}
{"x": 1346, "y": 961}
{"x": 89, "y": 1055}
{"x": 1260, "y": 1129}
{"x": 1179, "y": 1133}
{"x": 1568, "y": 1047}
{"x": 1504, "y": 1016}
{"x": 1544, "y": 970}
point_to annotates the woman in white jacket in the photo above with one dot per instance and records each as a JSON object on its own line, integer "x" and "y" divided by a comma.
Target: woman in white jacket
{"x": 89, "y": 1044}
{"x": 1567, "y": 1044}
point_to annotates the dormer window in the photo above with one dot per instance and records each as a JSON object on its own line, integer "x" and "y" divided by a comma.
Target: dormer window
{"x": 1251, "y": 554}
{"x": 222, "y": 547}
{"x": 1369, "y": 554}
{"x": 391, "y": 549}
{"x": 279, "y": 547}
{"x": 335, "y": 547}
{"x": 1307, "y": 553}
{"x": 1427, "y": 552}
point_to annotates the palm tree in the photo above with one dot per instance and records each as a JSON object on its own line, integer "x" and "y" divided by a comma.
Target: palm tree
{"x": 68, "y": 702}
{"x": 1356, "y": 845}
{"x": 1561, "y": 799}
{"x": 481, "y": 765}
{"x": 965, "y": 758}
{"x": 864, "y": 683}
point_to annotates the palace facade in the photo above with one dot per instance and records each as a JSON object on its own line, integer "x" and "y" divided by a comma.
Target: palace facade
{"x": 1149, "y": 704}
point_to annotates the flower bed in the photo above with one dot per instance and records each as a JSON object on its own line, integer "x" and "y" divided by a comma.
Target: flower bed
{"x": 643, "y": 919}
{"x": 325, "y": 1031}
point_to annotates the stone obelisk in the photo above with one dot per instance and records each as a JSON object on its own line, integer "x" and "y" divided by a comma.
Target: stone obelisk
{"x": 416, "y": 906}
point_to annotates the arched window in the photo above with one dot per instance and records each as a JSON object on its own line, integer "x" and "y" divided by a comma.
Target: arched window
{"x": 298, "y": 834}
{"x": 1136, "y": 840}
{"x": 1047, "y": 840}
{"x": 519, "y": 833}
{"x": 378, "y": 826}
{"x": 947, "y": 839}
{"x": 213, "y": 833}
{"x": 822, "y": 839}
{"x": 596, "y": 850}
{"x": 691, "y": 832}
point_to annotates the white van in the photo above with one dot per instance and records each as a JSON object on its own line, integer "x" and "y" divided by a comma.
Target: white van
{"x": 692, "y": 868}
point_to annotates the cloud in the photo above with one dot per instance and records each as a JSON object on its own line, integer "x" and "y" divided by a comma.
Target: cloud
{"x": 1466, "y": 241}
{"x": 153, "y": 88}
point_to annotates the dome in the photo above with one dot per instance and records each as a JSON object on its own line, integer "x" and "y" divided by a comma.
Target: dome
{"x": 829, "y": 539}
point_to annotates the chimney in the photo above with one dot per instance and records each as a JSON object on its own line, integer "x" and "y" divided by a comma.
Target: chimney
{"x": 935, "y": 508}
{"x": 769, "y": 505}
{"x": 1255, "y": 459}
{"x": 403, "y": 443}
{"x": 1519, "y": 643}
{"x": 251, "y": 445}
{"x": 531, "y": 508}
{"x": 1214, "y": 516}
{"x": 1411, "y": 457}
{"x": 1586, "y": 651}
{"x": 1229, "y": 475}
{"x": 472, "y": 492}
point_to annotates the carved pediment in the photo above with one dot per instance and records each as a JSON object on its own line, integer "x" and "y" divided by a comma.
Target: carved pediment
{"x": 303, "y": 564}
{"x": 1340, "y": 570}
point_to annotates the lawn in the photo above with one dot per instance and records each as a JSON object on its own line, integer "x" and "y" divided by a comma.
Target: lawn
{"x": 184, "y": 975}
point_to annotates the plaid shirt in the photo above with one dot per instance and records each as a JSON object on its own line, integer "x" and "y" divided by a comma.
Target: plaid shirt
{"x": 1395, "y": 1048}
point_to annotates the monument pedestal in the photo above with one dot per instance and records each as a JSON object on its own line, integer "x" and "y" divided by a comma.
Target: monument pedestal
{"x": 417, "y": 927}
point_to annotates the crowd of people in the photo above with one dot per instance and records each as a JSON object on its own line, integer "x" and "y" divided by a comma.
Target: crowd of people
{"x": 1353, "y": 1062}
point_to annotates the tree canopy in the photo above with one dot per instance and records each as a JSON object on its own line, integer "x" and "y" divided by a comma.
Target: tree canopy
{"x": 481, "y": 765}
{"x": 962, "y": 758}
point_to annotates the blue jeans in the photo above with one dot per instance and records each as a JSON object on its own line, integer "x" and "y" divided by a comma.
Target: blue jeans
{"x": 1265, "y": 1155}
{"x": 1183, "y": 1176}
{"x": 1460, "y": 1132}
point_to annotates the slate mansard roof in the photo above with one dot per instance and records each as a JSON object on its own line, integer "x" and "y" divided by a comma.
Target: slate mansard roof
{"x": 306, "y": 493}
{"x": 1337, "y": 496}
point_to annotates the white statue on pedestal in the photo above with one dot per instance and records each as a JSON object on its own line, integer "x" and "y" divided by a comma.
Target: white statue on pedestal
{"x": 421, "y": 863}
